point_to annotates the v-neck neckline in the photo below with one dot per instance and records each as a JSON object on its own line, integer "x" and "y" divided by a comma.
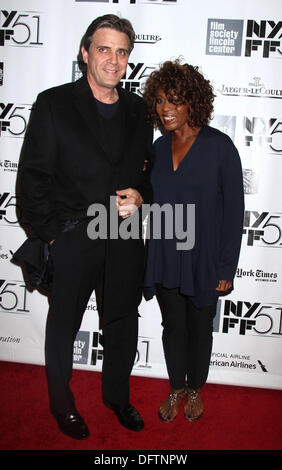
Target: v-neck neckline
{"x": 186, "y": 154}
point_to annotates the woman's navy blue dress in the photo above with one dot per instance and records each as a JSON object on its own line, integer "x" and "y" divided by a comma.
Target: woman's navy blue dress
{"x": 210, "y": 177}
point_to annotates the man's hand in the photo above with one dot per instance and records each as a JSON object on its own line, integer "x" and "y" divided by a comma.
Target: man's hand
{"x": 224, "y": 286}
{"x": 128, "y": 201}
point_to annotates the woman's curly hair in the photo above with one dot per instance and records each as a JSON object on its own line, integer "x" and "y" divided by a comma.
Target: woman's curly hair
{"x": 185, "y": 83}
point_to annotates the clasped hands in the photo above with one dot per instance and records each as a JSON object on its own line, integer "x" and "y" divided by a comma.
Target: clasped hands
{"x": 128, "y": 201}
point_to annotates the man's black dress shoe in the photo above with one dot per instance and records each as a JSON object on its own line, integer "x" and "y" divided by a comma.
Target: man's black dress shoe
{"x": 128, "y": 416}
{"x": 72, "y": 425}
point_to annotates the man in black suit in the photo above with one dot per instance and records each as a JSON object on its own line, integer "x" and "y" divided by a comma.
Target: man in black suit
{"x": 88, "y": 141}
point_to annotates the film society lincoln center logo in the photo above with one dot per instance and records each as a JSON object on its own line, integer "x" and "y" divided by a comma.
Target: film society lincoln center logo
{"x": 224, "y": 37}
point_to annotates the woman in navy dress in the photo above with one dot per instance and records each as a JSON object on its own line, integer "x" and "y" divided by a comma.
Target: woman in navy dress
{"x": 195, "y": 166}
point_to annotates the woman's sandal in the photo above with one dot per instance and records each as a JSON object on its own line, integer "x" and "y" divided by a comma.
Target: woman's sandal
{"x": 193, "y": 408}
{"x": 170, "y": 406}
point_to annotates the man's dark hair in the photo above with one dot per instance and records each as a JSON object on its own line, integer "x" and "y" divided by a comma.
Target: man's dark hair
{"x": 109, "y": 21}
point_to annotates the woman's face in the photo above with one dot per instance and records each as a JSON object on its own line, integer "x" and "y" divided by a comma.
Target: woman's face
{"x": 172, "y": 115}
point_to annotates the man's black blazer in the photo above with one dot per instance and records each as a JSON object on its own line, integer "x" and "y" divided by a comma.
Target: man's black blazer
{"x": 65, "y": 167}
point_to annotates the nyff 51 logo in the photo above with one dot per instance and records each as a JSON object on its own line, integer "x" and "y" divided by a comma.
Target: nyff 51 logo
{"x": 136, "y": 75}
{"x": 263, "y": 229}
{"x": 262, "y": 133}
{"x": 251, "y": 317}
{"x": 243, "y": 317}
{"x": 263, "y": 38}
{"x": 14, "y": 119}
{"x": 142, "y": 359}
{"x": 20, "y": 28}
{"x": 10, "y": 211}
{"x": 13, "y": 297}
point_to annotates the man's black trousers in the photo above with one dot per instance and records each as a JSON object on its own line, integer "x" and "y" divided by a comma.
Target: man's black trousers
{"x": 79, "y": 268}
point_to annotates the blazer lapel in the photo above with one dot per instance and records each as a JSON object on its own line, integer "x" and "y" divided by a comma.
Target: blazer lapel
{"x": 130, "y": 113}
{"x": 130, "y": 119}
{"x": 84, "y": 103}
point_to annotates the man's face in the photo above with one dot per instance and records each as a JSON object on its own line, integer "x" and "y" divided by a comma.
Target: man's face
{"x": 107, "y": 57}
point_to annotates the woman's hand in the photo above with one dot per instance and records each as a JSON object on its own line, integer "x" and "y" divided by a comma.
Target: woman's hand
{"x": 224, "y": 286}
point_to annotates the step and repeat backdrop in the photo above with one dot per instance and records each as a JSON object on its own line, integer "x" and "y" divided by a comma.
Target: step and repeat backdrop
{"x": 238, "y": 46}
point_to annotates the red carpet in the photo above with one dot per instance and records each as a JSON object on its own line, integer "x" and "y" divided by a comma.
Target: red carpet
{"x": 235, "y": 418}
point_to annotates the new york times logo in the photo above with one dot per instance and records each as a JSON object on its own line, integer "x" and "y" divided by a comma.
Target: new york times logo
{"x": 8, "y": 165}
{"x": 225, "y": 37}
{"x": 20, "y": 28}
{"x": 258, "y": 275}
